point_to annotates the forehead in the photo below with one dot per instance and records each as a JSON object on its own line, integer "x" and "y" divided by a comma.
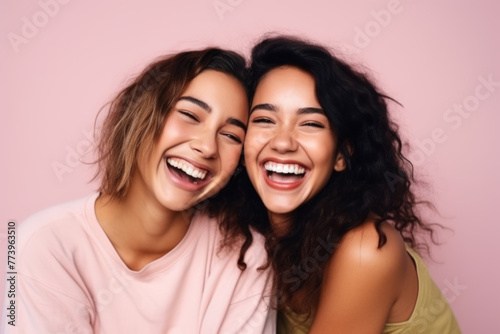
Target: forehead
{"x": 221, "y": 92}
{"x": 287, "y": 84}
{"x": 212, "y": 80}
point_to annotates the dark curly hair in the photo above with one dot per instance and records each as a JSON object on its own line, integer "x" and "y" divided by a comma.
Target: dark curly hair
{"x": 377, "y": 181}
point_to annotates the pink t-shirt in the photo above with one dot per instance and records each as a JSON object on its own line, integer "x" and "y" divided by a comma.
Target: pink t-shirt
{"x": 71, "y": 280}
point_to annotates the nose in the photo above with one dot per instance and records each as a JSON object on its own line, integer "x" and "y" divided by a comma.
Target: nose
{"x": 205, "y": 144}
{"x": 283, "y": 141}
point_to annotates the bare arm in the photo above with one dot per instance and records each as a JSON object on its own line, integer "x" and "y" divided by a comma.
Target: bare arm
{"x": 361, "y": 283}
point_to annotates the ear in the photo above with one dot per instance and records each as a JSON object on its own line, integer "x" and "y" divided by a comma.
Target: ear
{"x": 340, "y": 163}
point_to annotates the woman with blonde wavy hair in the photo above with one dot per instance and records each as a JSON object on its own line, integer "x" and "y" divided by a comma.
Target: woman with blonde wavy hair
{"x": 141, "y": 255}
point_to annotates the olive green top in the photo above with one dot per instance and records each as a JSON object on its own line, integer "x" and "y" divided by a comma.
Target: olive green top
{"x": 292, "y": 323}
{"x": 432, "y": 313}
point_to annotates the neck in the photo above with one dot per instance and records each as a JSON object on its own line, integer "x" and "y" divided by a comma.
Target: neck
{"x": 280, "y": 223}
{"x": 140, "y": 229}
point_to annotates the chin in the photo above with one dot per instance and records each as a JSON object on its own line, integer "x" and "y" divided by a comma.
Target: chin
{"x": 178, "y": 204}
{"x": 280, "y": 209}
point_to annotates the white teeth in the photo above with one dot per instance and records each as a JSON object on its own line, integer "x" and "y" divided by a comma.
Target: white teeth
{"x": 187, "y": 168}
{"x": 284, "y": 168}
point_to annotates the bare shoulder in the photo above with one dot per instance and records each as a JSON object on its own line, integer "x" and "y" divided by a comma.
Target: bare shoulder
{"x": 362, "y": 282}
{"x": 360, "y": 263}
{"x": 360, "y": 246}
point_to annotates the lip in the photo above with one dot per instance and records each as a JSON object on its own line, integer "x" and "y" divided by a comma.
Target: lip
{"x": 281, "y": 185}
{"x": 182, "y": 183}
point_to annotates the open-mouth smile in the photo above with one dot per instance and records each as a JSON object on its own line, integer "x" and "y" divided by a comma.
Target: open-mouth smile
{"x": 187, "y": 174}
{"x": 284, "y": 175}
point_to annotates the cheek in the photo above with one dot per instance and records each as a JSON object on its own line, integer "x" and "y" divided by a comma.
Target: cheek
{"x": 250, "y": 156}
{"x": 322, "y": 154}
{"x": 255, "y": 140}
{"x": 173, "y": 129}
{"x": 230, "y": 158}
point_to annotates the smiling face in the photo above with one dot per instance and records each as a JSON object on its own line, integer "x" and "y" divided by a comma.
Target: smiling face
{"x": 290, "y": 148}
{"x": 200, "y": 145}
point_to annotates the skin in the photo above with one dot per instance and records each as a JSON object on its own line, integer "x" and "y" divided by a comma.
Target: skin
{"x": 205, "y": 130}
{"x": 286, "y": 124}
{"x": 364, "y": 286}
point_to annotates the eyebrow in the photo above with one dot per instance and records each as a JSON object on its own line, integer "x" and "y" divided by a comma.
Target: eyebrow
{"x": 310, "y": 110}
{"x": 237, "y": 122}
{"x": 208, "y": 108}
{"x": 301, "y": 111}
{"x": 263, "y": 106}
{"x": 199, "y": 103}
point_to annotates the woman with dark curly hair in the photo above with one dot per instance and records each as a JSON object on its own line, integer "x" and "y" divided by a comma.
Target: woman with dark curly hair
{"x": 336, "y": 204}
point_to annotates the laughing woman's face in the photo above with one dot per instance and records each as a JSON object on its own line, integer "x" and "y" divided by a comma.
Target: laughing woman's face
{"x": 290, "y": 148}
{"x": 200, "y": 145}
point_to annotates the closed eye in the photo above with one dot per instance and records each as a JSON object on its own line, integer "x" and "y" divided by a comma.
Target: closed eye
{"x": 314, "y": 124}
{"x": 189, "y": 115}
{"x": 233, "y": 137}
{"x": 262, "y": 120}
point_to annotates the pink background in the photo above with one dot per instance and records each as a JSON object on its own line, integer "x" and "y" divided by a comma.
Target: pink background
{"x": 62, "y": 60}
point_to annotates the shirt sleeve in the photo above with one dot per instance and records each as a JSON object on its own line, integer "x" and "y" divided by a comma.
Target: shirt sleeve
{"x": 51, "y": 296}
{"x": 255, "y": 315}
{"x": 250, "y": 304}
{"x": 43, "y": 310}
